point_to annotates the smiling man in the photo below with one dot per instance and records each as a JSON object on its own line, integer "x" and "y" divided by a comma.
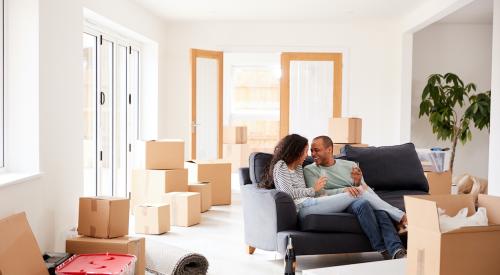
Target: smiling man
{"x": 346, "y": 176}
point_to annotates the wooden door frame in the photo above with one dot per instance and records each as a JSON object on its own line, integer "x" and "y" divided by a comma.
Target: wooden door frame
{"x": 218, "y": 56}
{"x": 286, "y": 58}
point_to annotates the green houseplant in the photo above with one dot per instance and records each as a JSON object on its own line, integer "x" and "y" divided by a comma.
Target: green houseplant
{"x": 443, "y": 99}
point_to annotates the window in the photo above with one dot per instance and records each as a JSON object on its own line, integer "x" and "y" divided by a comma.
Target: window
{"x": 2, "y": 164}
{"x": 111, "y": 89}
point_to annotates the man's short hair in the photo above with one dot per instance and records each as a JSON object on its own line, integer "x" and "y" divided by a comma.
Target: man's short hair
{"x": 327, "y": 141}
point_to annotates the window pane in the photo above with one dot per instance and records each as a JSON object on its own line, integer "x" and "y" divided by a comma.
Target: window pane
{"x": 120, "y": 129}
{"x": 311, "y": 97}
{"x": 255, "y": 100}
{"x": 206, "y": 109}
{"x": 89, "y": 113}
{"x": 105, "y": 119}
{"x": 132, "y": 107}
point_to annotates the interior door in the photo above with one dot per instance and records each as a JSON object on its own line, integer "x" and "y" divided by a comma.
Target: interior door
{"x": 206, "y": 105}
{"x": 310, "y": 93}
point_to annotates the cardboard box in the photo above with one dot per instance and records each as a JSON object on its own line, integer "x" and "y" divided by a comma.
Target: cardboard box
{"x": 439, "y": 183}
{"x": 123, "y": 245}
{"x": 19, "y": 251}
{"x": 234, "y": 135}
{"x": 159, "y": 154}
{"x": 337, "y": 147}
{"x": 152, "y": 219}
{"x": 184, "y": 208}
{"x": 218, "y": 173}
{"x": 103, "y": 217}
{"x": 205, "y": 190}
{"x": 237, "y": 154}
{"x": 345, "y": 129}
{"x": 464, "y": 251}
{"x": 148, "y": 186}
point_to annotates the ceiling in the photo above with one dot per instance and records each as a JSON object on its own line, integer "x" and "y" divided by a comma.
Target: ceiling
{"x": 477, "y": 12}
{"x": 281, "y": 10}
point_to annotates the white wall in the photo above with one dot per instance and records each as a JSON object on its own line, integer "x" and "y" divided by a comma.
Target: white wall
{"x": 52, "y": 200}
{"x": 494, "y": 171}
{"x": 464, "y": 49}
{"x": 371, "y": 60}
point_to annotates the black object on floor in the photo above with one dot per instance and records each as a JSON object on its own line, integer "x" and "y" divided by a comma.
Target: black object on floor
{"x": 53, "y": 259}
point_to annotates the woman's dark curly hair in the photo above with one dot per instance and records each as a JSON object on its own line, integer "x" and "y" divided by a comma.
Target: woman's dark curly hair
{"x": 288, "y": 149}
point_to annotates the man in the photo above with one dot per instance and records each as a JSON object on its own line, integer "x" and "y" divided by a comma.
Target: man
{"x": 345, "y": 176}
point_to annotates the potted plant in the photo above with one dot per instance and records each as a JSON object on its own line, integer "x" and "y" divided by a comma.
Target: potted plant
{"x": 452, "y": 106}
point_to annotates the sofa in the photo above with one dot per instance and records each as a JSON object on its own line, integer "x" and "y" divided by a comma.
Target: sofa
{"x": 270, "y": 215}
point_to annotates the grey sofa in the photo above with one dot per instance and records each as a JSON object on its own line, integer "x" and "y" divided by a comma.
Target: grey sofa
{"x": 270, "y": 215}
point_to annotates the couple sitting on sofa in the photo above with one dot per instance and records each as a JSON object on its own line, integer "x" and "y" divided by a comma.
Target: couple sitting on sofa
{"x": 331, "y": 185}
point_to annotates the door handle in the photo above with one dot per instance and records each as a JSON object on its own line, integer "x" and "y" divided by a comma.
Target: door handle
{"x": 102, "y": 98}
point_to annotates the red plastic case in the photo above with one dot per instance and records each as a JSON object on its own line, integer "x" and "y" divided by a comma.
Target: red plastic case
{"x": 98, "y": 264}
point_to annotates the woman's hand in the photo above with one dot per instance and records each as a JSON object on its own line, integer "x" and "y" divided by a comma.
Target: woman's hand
{"x": 356, "y": 175}
{"x": 320, "y": 183}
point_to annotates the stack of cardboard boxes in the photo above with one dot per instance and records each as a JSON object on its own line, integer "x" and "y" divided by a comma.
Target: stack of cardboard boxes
{"x": 103, "y": 227}
{"x": 235, "y": 147}
{"x": 160, "y": 196}
{"x": 214, "y": 173}
{"x": 343, "y": 131}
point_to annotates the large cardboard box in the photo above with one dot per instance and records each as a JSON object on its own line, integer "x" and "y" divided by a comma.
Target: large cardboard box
{"x": 218, "y": 173}
{"x": 337, "y": 147}
{"x": 123, "y": 245}
{"x": 19, "y": 251}
{"x": 439, "y": 183}
{"x": 464, "y": 251}
{"x": 237, "y": 154}
{"x": 205, "y": 190}
{"x": 103, "y": 217}
{"x": 345, "y": 129}
{"x": 159, "y": 154}
{"x": 235, "y": 135}
{"x": 152, "y": 219}
{"x": 184, "y": 208}
{"x": 148, "y": 186}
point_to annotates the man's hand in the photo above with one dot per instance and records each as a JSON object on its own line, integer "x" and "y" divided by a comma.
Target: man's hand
{"x": 356, "y": 175}
{"x": 353, "y": 191}
{"x": 320, "y": 183}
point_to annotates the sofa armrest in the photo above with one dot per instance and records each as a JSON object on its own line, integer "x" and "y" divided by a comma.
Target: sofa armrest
{"x": 244, "y": 176}
{"x": 265, "y": 213}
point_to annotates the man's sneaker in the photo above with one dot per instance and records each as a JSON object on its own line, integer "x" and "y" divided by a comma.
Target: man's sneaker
{"x": 400, "y": 254}
{"x": 385, "y": 254}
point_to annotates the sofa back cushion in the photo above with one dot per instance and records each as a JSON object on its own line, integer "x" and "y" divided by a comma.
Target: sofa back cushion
{"x": 390, "y": 167}
{"x": 258, "y": 162}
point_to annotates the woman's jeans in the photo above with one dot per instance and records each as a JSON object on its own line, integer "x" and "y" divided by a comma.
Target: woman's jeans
{"x": 339, "y": 202}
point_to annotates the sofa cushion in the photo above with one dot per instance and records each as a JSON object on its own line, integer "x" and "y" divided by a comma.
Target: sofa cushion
{"x": 395, "y": 197}
{"x": 334, "y": 222}
{"x": 390, "y": 167}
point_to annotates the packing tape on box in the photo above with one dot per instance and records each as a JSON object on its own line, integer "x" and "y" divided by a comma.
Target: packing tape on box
{"x": 146, "y": 229}
{"x": 144, "y": 210}
{"x": 93, "y": 205}
{"x": 420, "y": 262}
{"x": 92, "y": 230}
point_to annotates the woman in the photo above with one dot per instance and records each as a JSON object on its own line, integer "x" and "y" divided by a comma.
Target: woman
{"x": 286, "y": 174}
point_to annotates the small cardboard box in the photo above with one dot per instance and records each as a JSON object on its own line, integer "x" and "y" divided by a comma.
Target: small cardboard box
{"x": 148, "y": 186}
{"x": 218, "y": 173}
{"x": 103, "y": 217}
{"x": 123, "y": 245}
{"x": 205, "y": 190}
{"x": 159, "y": 154}
{"x": 152, "y": 219}
{"x": 237, "y": 154}
{"x": 337, "y": 147}
{"x": 439, "y": 183}
{"x": 345, "y": 129}
{"x": 463, "y": 251}
{"x": 19, "y": 251}
{"x": 234, "y": 135}
{"x": 184, "y": 208}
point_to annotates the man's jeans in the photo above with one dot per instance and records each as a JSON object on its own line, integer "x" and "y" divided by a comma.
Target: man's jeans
{"x": 377, "y": 226}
